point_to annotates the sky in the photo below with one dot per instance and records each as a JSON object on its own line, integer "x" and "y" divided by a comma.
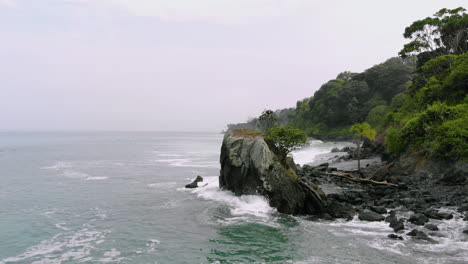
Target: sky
{"x": 183, "y": 65}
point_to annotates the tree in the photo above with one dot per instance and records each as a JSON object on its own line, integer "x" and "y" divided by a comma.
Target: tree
{"x": 361, "y": 131}
{"x": 266, "y": 120}
{"x": 285, "y": 139}
{"x": 444, "y": 33}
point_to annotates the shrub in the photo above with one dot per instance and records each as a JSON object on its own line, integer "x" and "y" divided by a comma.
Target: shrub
{"x": 286, "y": 139}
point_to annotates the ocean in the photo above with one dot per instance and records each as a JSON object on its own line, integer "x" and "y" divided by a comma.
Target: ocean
{"x": 119, "y": 197}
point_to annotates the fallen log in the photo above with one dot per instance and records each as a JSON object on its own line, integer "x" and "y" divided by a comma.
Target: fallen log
{"x": 350, "y": 177}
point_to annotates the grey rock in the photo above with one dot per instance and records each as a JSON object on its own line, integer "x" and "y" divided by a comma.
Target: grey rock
{"x": 431, "y": 227}
{"x": 250, "y": 166}
{"x": 397, "y": 225}
{"x": 378, "y": 209}
{"x": 416, "y": 234}
{"x": 370, "y": 216}
{"x": 418, "y": 219}
{"x": 194, "y": 184}
{"x": 393, "y": 236}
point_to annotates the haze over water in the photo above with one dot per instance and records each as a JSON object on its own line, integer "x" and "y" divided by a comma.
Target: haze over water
{"x": 119, "y": 198}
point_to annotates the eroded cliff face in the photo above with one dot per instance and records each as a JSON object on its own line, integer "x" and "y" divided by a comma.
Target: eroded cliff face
{"x": 248, "y": 166}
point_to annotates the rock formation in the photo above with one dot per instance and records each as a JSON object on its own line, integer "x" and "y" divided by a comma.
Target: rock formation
{"x": 249, "y": 166}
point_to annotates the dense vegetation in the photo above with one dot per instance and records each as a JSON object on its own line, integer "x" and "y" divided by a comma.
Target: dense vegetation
{"x": 350, "y": 98}
{"x": 416, "y": 102}
{"x": 431, "y": 117}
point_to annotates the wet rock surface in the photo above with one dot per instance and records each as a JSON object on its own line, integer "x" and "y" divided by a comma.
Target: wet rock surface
{"x": 194, "y": 184}
{"x": 415, "y": 206}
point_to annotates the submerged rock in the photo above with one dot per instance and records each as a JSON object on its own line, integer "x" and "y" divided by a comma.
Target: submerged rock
{"x": 393, "y": 236}
{"x": 249, "y": 166}
{"x": 194, "y": 184}
{"x": 416, "y": 234}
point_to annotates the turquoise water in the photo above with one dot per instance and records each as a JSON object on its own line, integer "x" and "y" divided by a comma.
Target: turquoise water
{"x": 119, "y": 198}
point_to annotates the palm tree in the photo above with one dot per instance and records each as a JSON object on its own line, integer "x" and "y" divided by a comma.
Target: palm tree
{"x": 361, "y": 131}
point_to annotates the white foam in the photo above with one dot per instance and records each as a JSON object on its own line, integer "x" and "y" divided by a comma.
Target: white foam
{"x": 315, "y": 149}
{"x": 59, "y": 166}
{"x": 75, "y": 174}
{"x": 110, "y": 256}
{"x": 96, "y": 178}
{"x": 61, "y": 226}
{"x": 450, "y": 247}
{"x": 168, "y": 154}
{"x": 254, "y": 205}
{"x": 61, "y": 247}
{"x": 161, "y": 184}
{"x": 152, "y": 245}
{"x": 71, "y": 245}
{"x": 186, "y": 162}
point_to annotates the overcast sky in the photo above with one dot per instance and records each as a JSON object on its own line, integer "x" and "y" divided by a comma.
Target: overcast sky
{"x": 183, "y": 64}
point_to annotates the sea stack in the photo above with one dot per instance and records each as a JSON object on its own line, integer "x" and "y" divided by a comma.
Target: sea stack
{"x": 250, "y": 166}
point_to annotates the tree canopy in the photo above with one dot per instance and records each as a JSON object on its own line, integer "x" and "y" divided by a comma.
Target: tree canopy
{"x": 286, "y": 139}
{"x": 446, "y": 32}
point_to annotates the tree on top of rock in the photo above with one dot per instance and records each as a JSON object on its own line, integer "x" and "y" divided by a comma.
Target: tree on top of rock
{"x": 286, "y": 139}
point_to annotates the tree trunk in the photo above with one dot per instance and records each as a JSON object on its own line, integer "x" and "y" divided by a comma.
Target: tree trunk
{"x": 359, "y": 154}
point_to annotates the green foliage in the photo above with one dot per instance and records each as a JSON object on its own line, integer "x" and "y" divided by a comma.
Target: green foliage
{"x": 399, "y": 100}
{"x": 286, "y": 139}
{"x": 433, "y": 117}
{"x": 439, "y": 131}
{"x": 376, "y": 117}
{"x": 363, "y": 130}
{"x": 394, "y": 141}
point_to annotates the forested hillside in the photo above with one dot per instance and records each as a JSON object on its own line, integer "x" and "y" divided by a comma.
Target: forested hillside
{"x": 417, "y": 102}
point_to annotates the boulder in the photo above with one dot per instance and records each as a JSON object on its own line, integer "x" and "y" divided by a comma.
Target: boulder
{"x": 378, "y": 209}
{"x": 250, "y": 166}
{"x": 370, "y": 216}
{"x": 416, "y": 234}
{"x": 397, "y": 225}
{"x": 431, "y": 227}
{"x": 335, "y": 150}
{"x": 194, "y": 184}
{"x": 431, "y": 213}
{"x": 456, "y": 174}
{"x": 418, "y": 219}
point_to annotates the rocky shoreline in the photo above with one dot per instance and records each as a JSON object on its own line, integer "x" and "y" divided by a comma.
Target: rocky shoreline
{"x": 411, "y": 206}
{"x": 411, "y": 194}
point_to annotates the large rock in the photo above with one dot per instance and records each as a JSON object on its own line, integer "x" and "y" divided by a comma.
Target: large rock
{"x": 194, "y": 184}
{"x": 249, "y": 166}
{"x": 370, "y": 216}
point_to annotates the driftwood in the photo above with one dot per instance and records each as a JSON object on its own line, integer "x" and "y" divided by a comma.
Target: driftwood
{"x": 350, "y": 177}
